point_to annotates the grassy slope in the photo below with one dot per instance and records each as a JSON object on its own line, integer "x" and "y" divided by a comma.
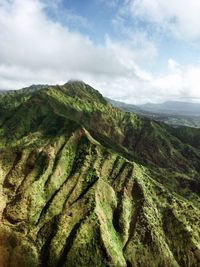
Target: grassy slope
{"x": 84, "y": 184}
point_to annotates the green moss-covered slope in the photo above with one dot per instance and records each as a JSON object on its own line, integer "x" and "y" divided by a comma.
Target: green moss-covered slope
{"x": 85, "y": 184}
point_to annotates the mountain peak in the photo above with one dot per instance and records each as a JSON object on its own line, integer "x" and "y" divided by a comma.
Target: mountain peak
{"x": 83, "y": 90}
{"x": 75, "y": 82}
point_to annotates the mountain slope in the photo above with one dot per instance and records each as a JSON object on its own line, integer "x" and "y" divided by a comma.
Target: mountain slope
{"x": 85, "y": 184}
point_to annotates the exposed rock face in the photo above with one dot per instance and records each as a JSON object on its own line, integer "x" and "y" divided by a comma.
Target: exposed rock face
{"x": 84, "y": 184}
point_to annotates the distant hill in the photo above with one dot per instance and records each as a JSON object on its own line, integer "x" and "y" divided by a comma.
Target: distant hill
{"x": 173, "y": 108}
{"x": 125, "y": 107}
{"x": 173, "y": 113}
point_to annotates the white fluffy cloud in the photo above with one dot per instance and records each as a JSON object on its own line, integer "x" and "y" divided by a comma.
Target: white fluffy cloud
{"x": 38, "y": 47}
{"x": 179, "y": 17}
{"x": 35, "y": 49}
{"x": 181, "y": 83}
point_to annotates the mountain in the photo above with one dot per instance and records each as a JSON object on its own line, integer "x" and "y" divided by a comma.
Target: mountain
{"x": 126, "y": 107}
{"x": 173, "y": 113}
{"x": 85, "y": 184}
{"x": 173, "y": 108}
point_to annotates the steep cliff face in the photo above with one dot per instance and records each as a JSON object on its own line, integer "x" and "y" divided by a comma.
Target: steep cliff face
{"x": 84, "y": 184}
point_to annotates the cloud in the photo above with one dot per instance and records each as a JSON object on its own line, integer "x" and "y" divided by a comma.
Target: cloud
{"x": 178, "y": 17}
{"x": 30, "y": 40}
{"x": 181, "y": 83}
{"x": 173, "y": 65}
{"x": 34, "y": 48}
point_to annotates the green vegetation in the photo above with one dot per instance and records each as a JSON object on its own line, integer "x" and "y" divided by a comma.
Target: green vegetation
{"x": 85, "y": 184}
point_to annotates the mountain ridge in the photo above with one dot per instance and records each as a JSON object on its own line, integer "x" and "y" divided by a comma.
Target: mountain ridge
{"x": 85, "y": 184}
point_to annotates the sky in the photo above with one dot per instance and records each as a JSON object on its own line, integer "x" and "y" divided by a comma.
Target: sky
{"x": 135, "y": 51}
